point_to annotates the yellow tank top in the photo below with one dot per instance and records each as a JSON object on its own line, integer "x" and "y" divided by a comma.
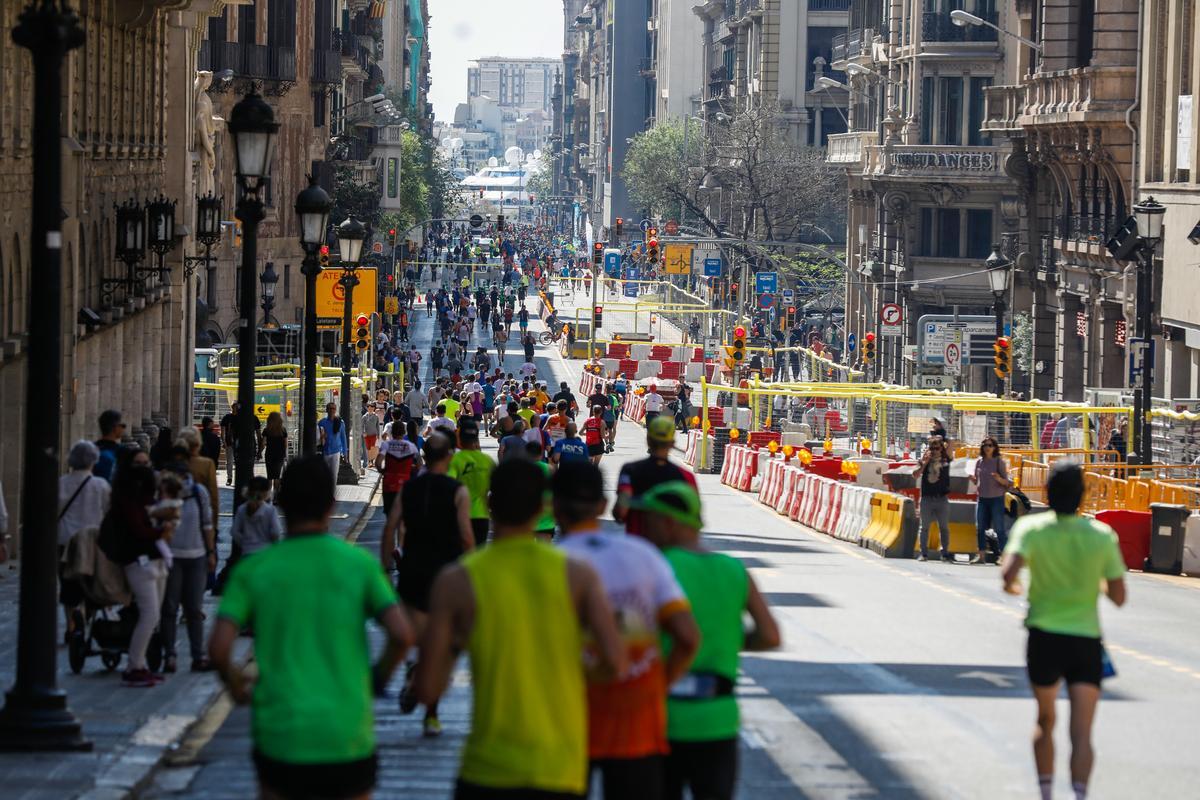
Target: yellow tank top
{"x": 529, "y": 724}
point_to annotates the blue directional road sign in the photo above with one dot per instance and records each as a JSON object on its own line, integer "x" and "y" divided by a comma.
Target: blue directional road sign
{"x": 851, "y": 342}
{"x": 712, "y": 267}
{"x": 646, "y": 225}
{"x": 766, "y": 282}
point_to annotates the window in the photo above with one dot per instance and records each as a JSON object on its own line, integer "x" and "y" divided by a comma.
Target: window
{"x": 975, "y": 135}
{"x": 247, "y": 24}
{"x": 942, "y": 117}
{"x": 287, "y": 281}
{"x": 949, "y": 101}
{"x": 1085, "y": 32}
{"x": 942, "y": 232}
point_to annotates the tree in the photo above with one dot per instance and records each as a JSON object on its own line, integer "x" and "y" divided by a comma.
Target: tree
{"x": 354, "y": 199}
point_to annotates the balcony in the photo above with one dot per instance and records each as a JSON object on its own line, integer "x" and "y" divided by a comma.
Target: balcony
{"x": 326, "y": 66}
{"x": 828, "y": 5}
{"x": 1083, "y": 96}
{"x": 936, "y": 26}
{"x": 745, "y": 7}
{"x": 718, "y": 84}
{"x": 927, "y": 161}
{"x": 851, "y": 46}
{"x": 268, "y": 62}
{"x": 646, "y": 68}
{"x": 226, "y": 55}
{"x": 848, "y": 148}
{"x": 1003, "y": 107}
{"x": 725, "y": 30}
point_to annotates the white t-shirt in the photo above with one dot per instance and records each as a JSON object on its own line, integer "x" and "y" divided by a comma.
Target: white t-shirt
{"x": 654, "y": 401}
{"x": 444, "y": 424}
{"x": 528, "y": 369}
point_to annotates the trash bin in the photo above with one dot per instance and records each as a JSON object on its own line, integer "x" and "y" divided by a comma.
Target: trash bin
{"x": 1191, "y": 546}
{"x": 1168, "y": 525}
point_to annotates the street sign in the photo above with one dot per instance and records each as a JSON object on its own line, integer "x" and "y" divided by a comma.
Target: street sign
{"x": 789, "y": 296}
{"x": 672, "y": 227}
{"x": 646, "y": 224}
{"x": 677, "y": 259}
{"x": 612, "y": 261}
{"x": 377, "y": 248}
{"x": 391, "y": 305}
{"x": 712, "y": 348}
{"x": 1141, "y": 362}
{"x": 851, "y": 342}
{"x": 929, "y": 380}
{"x": 934, "y": 331}
{"x": 891, "y": 314}
{"x": 476, "y": 221}
{"x": 766, "y": 282}
{"x": 766, "y": 300}
{"x": 331, "y": 297}
{"x": 631, "y": 289}
{"x": 952, "y": 357}
{"x": 712, "y": 267}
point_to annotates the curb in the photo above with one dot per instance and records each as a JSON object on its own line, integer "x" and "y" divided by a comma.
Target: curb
{"x": 162, "y": 734}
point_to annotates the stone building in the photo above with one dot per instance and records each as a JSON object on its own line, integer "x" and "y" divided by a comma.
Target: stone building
{"x": 129, "y": 134}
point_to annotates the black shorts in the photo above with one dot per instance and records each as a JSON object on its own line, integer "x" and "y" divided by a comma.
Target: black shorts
{"x": 473, "y": 791}
{"x": 630, "y": 777}
{"x": 1051, "y": 657}
{"x": 480, "y": 528}
{"x": 596, "y": 449}
{"x": 709, "y": 769}
{"x": 317, "y": 781}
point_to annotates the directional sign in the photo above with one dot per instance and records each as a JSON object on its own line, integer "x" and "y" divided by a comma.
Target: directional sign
{"x": 631, "y": 289}
{"x": 766, "y": 300}
{"x": 851, "y": 342}
{"x": 712, "y": 346}
{"x": 789, "y": 296}
{"x": 391, "y": 305}
{"x": 712, "y": 267}
{"x": 677, "y": 258}
{"x": 476, "y": 221}
{"x": 645, "y": 225}
{"x": 977, "y": 335}
{"x": 952, "y": 357}
{"x": 766, "y": 282}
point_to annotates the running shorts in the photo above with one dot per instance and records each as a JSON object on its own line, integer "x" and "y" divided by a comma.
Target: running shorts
{"x": 1051, "y": 657}
{"x": 340, "y": 779}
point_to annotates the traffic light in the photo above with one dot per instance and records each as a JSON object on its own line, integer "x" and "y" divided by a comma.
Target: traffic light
{"x": 392, "y": 236}
{"x": 739, "y": 344}
{"x": 597, "y": 317}
{"x": 362, "y": 332}
{"x": 618, "y": 225}
{"x": 652, "y": 247}
{"x": 730, "y": 361}
{"x": 481, "y": 194}
{"x": 1003, "y": 349}
{"x": 869, "y": 347}
{"x": 597, "y": 254}
{"x": 532, "y": 198}
{"x": 324, "y": 260}
{"x": 499, "y": 222}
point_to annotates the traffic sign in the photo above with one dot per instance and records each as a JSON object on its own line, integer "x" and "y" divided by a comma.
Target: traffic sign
{"x": 631, "y": 289}
{"x": 391, "y": 305}
{"x": 476, "y": 221}
{"x": 712, "y": 267}
{"x": 977, "y": 332}
{"x": 851, "y": 342}
{"x": 929, "y": 380}
{"x": 891, "y": 314}
{"x": 789, "y": 296}
{"x": 672, "y": 227}
{"x": 331, "y": 296}
{"x": 766, "y": 282}
{"x": 645, "y": 225}
{"x": 677, "y": 258}
{"x": 1141, "y": 362}
{"x": 766, "y": 300}
{"x": 377, "y": 248}
{"x": 952, "y": 357}
{"x": 712, "y": 347}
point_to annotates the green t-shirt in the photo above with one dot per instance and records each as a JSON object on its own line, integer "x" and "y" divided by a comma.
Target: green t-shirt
{"x": 718, "y": 587}
{"x": 309, "y": 599}
{"x": 526, "y": 414}
{"x": 1067, "y": 557}
{"x": 452, "y": 407}
{"x": 546, "y": 520}
{"x": 474, "y": 469}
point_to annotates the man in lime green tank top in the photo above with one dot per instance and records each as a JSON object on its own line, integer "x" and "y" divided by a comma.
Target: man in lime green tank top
{"x": 702, "y": 712}
{"x": 520, "y": 607}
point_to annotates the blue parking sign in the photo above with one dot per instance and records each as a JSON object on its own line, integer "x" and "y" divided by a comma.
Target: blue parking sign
{"x": 712, "y": 267}
{"x": 766, "y": 282}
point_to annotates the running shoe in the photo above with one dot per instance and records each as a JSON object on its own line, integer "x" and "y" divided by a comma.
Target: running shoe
{"x": 432, "y": 728}
{"x": 138, "y": 678}
{"x": 921, "y": 557}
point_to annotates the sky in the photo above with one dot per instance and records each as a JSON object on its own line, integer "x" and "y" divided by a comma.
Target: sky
{"x": 461, "y": 31}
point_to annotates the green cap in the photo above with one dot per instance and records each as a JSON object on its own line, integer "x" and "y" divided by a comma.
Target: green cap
{"x": 675, "y": 499}
{"x": 661, "y": 430}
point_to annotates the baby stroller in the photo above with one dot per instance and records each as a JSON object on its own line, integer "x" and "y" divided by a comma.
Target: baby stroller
{"x": 104, "y": 626}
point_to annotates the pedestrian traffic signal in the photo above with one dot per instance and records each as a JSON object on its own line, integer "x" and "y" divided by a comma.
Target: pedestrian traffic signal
{"x": 598, "y": 254}
{"x": 324, "y": 253}
{"x": 1003, "y": 349}
{"x": 362, "y": 332}
{"x": 618, "y": 225}
{"x": 652, "y": 249}
{"x": 499, "y": 222}
{"x": 869, "y": 347}
{"x": 739, "y": 344}
{"x": 597, "y": 317}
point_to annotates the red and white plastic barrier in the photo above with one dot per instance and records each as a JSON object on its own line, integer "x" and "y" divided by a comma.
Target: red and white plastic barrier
{"x": 635, "y": 406}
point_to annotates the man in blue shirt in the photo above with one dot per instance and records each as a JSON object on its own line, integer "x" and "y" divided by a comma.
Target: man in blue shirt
{"x": 334, "y": 442}
{"x": 569, "y": 448}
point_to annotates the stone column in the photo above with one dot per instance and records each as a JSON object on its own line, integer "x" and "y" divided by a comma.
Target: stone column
{"x": 1072, "y": 353}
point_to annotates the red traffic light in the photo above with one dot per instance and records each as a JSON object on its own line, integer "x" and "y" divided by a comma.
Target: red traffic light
{"x": 652, "y": 243}
{"x": 870, "y": 337}
{"x": 362, "y": 320}
{"x": 739, "y": 332}
{"x": 324, "y": 250}
{"x": 391, "y": 231}
{"x": 791, "y": 309}
{"x": 598, "y": 246}
{"x": 1002, "y": 341}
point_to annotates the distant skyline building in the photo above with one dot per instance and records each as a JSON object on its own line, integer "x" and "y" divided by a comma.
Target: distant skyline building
{"x": 522, "y": 84}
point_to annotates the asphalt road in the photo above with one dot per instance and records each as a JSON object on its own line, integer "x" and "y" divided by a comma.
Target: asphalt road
{"x": 896, "y": 679}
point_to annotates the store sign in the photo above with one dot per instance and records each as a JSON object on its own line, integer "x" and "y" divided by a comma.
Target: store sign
{"x": 1119, "y": 333}
{"x": 1081, "y": 324}
{"x": 948, "y": 160}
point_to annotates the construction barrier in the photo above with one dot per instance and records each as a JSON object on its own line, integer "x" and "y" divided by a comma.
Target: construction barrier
{"x": 635, "y": 406}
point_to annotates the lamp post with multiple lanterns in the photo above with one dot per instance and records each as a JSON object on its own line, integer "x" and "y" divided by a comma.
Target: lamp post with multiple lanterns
{"x": 351, "y": 235}
{"x": 998, "y": 272}
{"x": 1148, "y": 215}
{"x": 312, "y": 207}
{"x": 253, "y": 127}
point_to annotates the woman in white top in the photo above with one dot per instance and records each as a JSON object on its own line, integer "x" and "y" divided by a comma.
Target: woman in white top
{"x": 82, "y": 503}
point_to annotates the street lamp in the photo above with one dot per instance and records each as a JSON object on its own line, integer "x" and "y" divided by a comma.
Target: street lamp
{"x": 312, "y": 207}
{"x": 268, "y": 279}
{"x": 208, "y": 233}
{"x": 351, "y": 235}
{"x": 253, "y": 127}
{"x": 964, "y": 19}
{"x": 1148, "y": 216}
{"x": 35, "y": 714}
{"x": 998, "y": 271}
{"x": 161, "y": 215}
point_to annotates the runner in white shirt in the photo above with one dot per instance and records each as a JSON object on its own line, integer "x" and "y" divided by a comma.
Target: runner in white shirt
{"x": 528, "y": 370}
{"x": 654, "y": 403}
{"x": 441, "y": 423}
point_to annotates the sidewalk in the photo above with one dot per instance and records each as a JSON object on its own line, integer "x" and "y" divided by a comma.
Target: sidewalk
{"x": 130, "y": 729}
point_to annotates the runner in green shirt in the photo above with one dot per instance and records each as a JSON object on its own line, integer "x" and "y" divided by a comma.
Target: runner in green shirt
{"x": 473, "y": 468}
{"x": 1069, "y": 559}
{"x": 702, "y": 713}
{"x": 308, "y": 599}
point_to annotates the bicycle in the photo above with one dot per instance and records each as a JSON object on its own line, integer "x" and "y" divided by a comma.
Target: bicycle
{"x": 554, "y": 334}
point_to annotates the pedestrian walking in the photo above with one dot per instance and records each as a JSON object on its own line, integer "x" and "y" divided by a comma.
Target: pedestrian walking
{"x": 430, "y": 527}
{"x": 1070, "y": 558}
{"x": 193, "y": 556}
{"x": 210, "y": 440}
{"x": 638, "y": 477}
{"x": 370, "y": 434}
{"x": 473, "y": 468}
{"x": 275, "y": 438}
{"x": 627, "y": 716}
{"x": 991, "y": 480}
{"x": 256, "y": 524}
{"x": 934, "y": 470}
{"x": 654, "y": 404}
{"x": 83, "y": 500}
{"x": 309, "y": 599}
{"x": 702, "y": 712}
{"x": 520, "y": 608}
{"x": 203, "y": 470}
{"x": 334, "y": 441}
{"x": 398, "y": 459}
{"x": 231, "y": 432}
{"x": 112, "y": 428}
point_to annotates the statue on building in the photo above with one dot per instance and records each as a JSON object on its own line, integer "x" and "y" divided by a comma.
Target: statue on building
{"x": 206, "y": 130}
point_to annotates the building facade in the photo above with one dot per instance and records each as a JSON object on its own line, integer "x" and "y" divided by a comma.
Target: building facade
{"x": 520, "y": 84}
{"x": 674, "y": 68}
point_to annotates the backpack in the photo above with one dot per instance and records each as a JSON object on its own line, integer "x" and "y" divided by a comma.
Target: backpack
{"x": 1016, "y": 503}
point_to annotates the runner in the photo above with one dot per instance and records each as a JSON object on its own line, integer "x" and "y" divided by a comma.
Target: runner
{"x": 430, "y": 527}
{"x": 702, "y": 712}
{"x": 473, "y": 468}
{"x": 570, "y": 448}
{"x": 397, "y": 459}
{"x": 528, "y": 734}
{"x": 594, "y": 429}
{"x": 1068, "y": 556}
{"x": 627, "y": 718}
{"x": 638, "y": 477}
{"x": 308, "y": 597}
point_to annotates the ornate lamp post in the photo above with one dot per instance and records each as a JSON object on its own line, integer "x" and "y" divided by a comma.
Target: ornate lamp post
{"x": 268, "y": 279}
{"x": 208, "y": 233}
{"x": 130, "y": 250}
{"x": 35, "y": 714}
{"x": 351, "y": 234}
{"x": 312, "y": 207}
{"x": 998, "y": 271}
{"x": 160, "y": 214}
{"x": 1149, "y": 217}
{"x": 253, "y": 126}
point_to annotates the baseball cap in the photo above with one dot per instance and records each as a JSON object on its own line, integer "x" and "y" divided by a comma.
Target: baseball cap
{"x": 661, "y": 429}
{"x": 674, "y": 499}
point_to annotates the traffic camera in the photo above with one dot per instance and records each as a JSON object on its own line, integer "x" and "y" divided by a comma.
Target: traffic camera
{"x": 362, "y": 332}
{"x": 869, "y": 347}
{"x": 1003, "y": 350}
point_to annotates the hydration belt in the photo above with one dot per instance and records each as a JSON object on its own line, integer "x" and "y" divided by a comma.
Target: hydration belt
{"x": 701, "y": 686}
